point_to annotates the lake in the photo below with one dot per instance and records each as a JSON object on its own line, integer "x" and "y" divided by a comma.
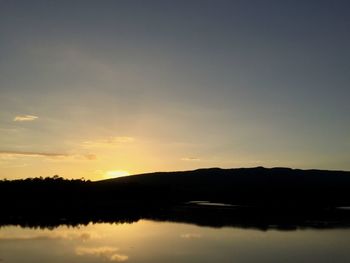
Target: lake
{"x": 156, "y": 241}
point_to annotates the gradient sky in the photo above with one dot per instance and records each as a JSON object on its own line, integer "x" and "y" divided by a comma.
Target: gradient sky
{"x": 89, "y": 88}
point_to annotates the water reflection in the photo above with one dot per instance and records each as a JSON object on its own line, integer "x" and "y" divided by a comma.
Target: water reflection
{"x": 182, "y": 233}
{"x": 202, "y": 215}
{"x": 106, "y": 253}
{"x": 150, "y": 241}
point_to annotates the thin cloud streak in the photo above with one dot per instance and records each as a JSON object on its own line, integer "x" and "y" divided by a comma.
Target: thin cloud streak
{"x": 35, "y": 154}
{"x": 45, "y": 155}
{"x": 25, "y": 118}
{"x": 108, "y": 142}
{"x": 190, "y": 159}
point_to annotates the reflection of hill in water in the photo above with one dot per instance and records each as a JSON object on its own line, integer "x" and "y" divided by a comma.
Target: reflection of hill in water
{"x": 209, "y": 216}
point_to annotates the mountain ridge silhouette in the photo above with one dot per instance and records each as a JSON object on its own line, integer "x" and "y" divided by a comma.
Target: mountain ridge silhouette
{"x": 276, "y": 188}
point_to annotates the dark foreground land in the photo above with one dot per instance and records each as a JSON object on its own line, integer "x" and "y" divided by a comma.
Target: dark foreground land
{"x": 260, "y": 198}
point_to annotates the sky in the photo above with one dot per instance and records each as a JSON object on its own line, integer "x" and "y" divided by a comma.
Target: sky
{"x": 99, "y": 89}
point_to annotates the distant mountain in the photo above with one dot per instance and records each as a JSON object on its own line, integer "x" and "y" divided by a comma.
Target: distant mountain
{"x": 248, "y": 186}
{"x": 224, "y": 175}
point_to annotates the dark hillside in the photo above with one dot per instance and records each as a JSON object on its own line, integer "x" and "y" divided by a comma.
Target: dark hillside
{"x": 248, "y": 186}
{"x": 254, "y": 187}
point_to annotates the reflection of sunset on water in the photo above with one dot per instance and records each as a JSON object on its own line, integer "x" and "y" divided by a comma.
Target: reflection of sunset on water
{"x": 158, "y": 242}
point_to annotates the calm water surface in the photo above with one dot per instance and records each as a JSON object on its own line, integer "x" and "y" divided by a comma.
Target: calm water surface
{"x": 150, "y": 241}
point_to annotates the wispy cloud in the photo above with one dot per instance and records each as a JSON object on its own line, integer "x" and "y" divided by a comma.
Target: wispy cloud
{"x": 90, "y": 156}
{"x": 108, "y": 142}
{"x": 13, "y": 154}
{"x": 124, "y": 139}
{"x": 33, "y": 154}
{"x": 190, "y": 159}
{"x": 25, "y": 118}
{"x": 107, "y": 253}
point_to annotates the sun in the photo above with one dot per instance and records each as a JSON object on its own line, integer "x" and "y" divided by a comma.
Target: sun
{"x": 116, "y": 173}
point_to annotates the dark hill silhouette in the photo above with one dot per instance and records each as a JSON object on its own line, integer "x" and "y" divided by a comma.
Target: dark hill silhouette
{"x": 275, "y": 189}
{"x": 246, "y": 186}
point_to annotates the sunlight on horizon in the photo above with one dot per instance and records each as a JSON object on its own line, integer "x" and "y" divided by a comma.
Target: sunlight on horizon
{"x": 116, "y": 173}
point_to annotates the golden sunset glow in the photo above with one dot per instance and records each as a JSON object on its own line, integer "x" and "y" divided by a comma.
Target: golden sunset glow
{"x": 143, "y": 93}
{"x": 116, "y": 173}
